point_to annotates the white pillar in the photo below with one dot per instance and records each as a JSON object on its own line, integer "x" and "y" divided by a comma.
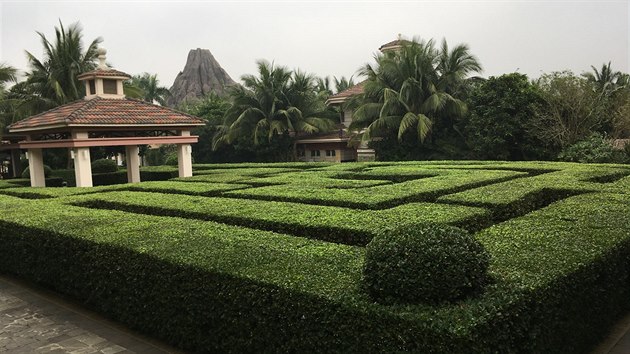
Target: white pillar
{"x": 82, "y": 167}
{"x": 184, "y": 160}
{"x": 82, "y": 164}
{"x": 184, "y": 156}
{"x": 132, "y": 159}
{"x": 36, "y": 167}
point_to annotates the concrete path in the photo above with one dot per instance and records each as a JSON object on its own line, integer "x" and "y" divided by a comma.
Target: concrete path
{"x": 34, "y": 320}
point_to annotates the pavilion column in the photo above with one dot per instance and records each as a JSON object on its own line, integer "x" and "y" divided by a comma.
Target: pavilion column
{"x": 36, "y": 167}
{"x": 82, "y": 163}
{"x": 132, "y": 158}
{"x": 184, "y": 157}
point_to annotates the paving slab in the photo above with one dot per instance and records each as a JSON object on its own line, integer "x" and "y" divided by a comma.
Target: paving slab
{"x": 35, "y": 320}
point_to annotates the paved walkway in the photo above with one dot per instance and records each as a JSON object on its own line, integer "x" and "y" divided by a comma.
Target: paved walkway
{"x": 34, "y": 320}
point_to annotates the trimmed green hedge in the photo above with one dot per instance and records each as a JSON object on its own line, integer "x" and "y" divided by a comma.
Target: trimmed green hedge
{"x": 561, "y": 276}
{"x": 158, "y": 173}
{"x": 382, "y": 196}
{"x": 520, "y": 196}
{"x": 176, "y": 187}
{"x": 335, "y": 224}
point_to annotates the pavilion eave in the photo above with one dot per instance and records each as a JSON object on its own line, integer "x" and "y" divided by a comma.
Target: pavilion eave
{"x": 118, "y": 141}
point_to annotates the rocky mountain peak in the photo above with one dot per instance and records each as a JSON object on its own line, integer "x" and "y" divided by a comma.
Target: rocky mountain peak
{"x": 201, "y": 75}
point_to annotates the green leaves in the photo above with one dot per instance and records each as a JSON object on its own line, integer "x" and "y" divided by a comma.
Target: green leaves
{"x": 559, "y": 269}
{"x": 414, "y": 81}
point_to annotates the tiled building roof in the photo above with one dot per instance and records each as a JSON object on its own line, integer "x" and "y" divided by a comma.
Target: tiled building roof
{"x": 103, "y": 73}
{"x": 343, "y": 95}
{"x": 99, "y": 111}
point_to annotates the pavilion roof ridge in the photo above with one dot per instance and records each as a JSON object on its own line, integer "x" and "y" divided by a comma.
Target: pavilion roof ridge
{"x": 89, "y": 103}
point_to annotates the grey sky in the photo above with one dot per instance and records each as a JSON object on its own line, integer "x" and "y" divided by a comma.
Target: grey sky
{"x": 327, "y": 37}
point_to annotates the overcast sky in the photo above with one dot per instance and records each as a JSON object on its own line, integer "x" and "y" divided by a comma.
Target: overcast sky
{"x": 327, "y": 37}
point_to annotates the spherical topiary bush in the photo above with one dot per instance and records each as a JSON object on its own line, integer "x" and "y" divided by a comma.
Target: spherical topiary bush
{"x": 427, "y": 263}
{"x": 104, "y": 166}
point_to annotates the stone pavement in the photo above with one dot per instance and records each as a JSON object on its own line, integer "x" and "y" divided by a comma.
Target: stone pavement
{"x": 33, "y": 320}
{"x": 618, "y": 341}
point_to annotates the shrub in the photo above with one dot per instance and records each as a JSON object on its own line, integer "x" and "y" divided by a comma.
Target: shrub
{"x": 158, "y": 173}
{"x": 106, "y": 179}
{"x": 595, "y": 149}
{"x": 171, "y": 159}
{"x": 428, "y": 263}
{"x": 27, "y": 173}
{"x": 104, "y": 166}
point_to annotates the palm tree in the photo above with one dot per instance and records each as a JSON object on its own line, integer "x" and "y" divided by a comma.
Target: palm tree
{"x": 275, "y": 102}
{"x": 343, "y": 84}
{"x": 412, "y": 88}
{"x": 323, "y": 86}
{"x": 151, "y": 91}
{"x": 55, "y": 76}
{"x": 605, "y": 80}
{"x": 7, "y": 74}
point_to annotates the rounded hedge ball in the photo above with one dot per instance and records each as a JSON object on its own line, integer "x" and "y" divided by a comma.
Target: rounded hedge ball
{"x": 428, "y": 263}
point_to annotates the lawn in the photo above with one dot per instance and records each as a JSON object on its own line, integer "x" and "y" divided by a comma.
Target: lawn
{"x": 269, "y": 257}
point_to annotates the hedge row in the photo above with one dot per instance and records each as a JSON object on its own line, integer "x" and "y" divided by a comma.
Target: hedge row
{"x": 340, "y": 225}
{"x": 158, "y": 173}
{"x": 25, "y": 182}
{"x": 175, "y": 187}
{"x": 292, "y": 165}
{"x": 561, "y": 277}
{"x": 319, "y": 179}
{"x": 382, "y": 196}
{"x": 520, "y": 196}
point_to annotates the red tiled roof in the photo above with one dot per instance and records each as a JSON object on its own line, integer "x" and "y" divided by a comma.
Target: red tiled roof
{"x": 101, "y": 72}
{"x": 393, "y": 44}
{"x": 101, "y": 111}
{"x": 354, "y": 90}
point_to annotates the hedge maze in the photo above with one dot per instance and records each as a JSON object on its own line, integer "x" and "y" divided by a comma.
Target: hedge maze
{"x": 269, "y": 257}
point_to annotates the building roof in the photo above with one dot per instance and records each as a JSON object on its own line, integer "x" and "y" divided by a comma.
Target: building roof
{"x": 106, "y": 112}
{"x": 346, "y": 94}
{"x": 102, "y": 73}
{"x": 393, "y": 45}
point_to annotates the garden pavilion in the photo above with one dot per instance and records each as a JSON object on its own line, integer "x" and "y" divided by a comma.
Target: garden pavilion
{"x": 105, "y": 117}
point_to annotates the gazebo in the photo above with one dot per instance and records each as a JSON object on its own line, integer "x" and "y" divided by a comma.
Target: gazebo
{"x": 105, "y": 117}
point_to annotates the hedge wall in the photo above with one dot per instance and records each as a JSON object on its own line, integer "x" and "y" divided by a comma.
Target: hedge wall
{"x": 561, "y": 276}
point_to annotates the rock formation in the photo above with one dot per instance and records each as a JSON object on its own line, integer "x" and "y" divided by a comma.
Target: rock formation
{"x": 202, "y": 75}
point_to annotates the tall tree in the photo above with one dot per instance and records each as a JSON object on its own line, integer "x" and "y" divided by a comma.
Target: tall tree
{"x": 7, "y": 74}
{"x": 151, "y": 90}
{"x": 343, "y": 84}
{"x": 54, "y": 77}
{"x": 573, "y": 109}
{"x": 500, "y": 111}
{"x": 605, "y": 80}
{"x": 276, "y": 102}
{"x": 412, "y": 88}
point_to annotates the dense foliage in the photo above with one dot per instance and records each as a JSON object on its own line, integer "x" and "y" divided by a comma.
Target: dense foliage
{"x": 104, "y": 166}
{"x": 273, "y": 105}
{"x": 559, "y": 270}
{"x": 413, "y": 90}
{"x": 501, "y": 111}
{"x": 424, "y": 263}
